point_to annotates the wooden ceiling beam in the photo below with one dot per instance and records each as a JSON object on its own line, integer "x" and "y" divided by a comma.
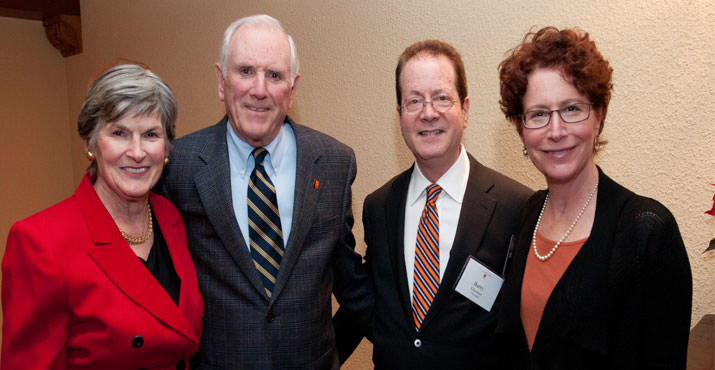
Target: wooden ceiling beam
{"x": 61, "y": 19}
{"x": 38, "y": 9}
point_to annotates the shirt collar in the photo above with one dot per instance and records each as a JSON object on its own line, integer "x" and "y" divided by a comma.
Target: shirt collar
{"x": 453, "y": 182}
{"x": 276, "y": 151}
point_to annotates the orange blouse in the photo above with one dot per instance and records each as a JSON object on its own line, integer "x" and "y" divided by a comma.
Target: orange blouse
{"x": 540, "y": 278}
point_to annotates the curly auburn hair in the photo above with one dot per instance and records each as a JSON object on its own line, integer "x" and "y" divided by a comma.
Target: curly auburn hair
{"x": 569, "y": 50}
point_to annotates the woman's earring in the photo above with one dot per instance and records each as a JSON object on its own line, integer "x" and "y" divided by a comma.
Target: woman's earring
{"x": 166, "y": 161}
{"x": 596, "y": 145}
{"x": 525, "y": 152}
{"x": 90, "y": 156}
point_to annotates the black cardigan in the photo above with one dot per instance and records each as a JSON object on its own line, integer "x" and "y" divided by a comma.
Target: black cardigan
{"x": 624, "y": 302}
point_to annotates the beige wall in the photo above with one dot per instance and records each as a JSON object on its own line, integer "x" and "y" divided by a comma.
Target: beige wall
{"x": 35, "y": 141}
{"x": 660, "y": 123}
{"x": 35, "y": 152}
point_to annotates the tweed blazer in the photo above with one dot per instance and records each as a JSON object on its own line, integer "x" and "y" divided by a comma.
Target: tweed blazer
{"x": 75, "y": 296}
{"x": 456, "y": 333}
{"x": 624, "y": 302}
{"x": 244, "y": 328}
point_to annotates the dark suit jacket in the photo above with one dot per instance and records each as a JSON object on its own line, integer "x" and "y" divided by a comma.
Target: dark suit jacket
{"x": 624, "y": 301}
{"x": 456, "y": 333}
{"x": 75, "y": 296}
{"x": 244, "y": 329}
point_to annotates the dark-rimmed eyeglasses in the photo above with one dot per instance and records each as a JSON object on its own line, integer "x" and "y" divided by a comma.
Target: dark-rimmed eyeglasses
{"x": 572, "y": 113}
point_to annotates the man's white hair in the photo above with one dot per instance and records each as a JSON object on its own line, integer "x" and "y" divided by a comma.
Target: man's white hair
{"x": 258, "y": 19}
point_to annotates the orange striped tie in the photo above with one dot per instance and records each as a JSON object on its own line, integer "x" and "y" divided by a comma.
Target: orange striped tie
{"x": 426, "y": 277}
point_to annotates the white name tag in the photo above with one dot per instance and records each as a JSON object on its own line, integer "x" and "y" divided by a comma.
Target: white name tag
{"x": 479, "y": 284}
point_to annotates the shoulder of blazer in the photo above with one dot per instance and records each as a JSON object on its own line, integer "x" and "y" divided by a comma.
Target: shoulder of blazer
{"x": 638, "y": 221}
{"x": 631, "y": 207}
{"x": 83, "y": 212}
{"x": 496, "y": 183}
{"x": 200, "y": 142}
{"x": 46, "y": 225}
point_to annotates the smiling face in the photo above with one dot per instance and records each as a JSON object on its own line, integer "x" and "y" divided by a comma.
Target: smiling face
{"x": 563, "y": 152}
{"x": 130, "y": 156}
{"x": 433, "y": 137}
{"x": 256, "y": 89}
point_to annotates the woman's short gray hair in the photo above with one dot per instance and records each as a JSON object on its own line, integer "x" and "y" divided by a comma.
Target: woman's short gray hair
{"x": 257, "y": 19}
{"x": 123, "y": 89}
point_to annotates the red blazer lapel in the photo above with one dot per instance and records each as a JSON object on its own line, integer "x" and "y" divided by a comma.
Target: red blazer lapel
{"x": 174, "y": 232}
{"x": 123, "y": 267}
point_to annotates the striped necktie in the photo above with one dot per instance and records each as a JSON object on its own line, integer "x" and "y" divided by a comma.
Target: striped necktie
{"x": 264, "y": 223}
{"x": 426, "y": 276}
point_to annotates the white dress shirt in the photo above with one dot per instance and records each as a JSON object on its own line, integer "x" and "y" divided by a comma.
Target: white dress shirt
{"x": 449, "y": 206}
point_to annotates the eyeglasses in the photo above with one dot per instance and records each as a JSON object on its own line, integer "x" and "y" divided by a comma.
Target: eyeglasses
{"x": 440, "y": 103}
{"x": 572, "y": 113}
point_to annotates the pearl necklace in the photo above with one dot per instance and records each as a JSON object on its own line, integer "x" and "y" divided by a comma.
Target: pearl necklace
{"x": 568, "y": 231}
{"x": 149, "y": 230}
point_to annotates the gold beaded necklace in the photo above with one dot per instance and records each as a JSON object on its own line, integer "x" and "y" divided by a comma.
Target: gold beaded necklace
{"x": 149, "y": 230}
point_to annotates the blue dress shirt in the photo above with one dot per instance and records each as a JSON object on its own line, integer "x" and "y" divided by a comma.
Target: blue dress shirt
{"x": 280, "y": 164}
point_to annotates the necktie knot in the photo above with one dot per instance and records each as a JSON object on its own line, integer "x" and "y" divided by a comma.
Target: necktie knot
{"x": 259, "y": 154}
{"x": 433, "y": 193}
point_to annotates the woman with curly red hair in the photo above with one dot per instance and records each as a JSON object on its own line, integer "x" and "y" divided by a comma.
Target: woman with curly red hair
{"x": 600, "y": 278}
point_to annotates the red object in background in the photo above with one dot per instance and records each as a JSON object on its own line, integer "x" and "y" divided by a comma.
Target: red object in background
{"x": 712, "y": 210}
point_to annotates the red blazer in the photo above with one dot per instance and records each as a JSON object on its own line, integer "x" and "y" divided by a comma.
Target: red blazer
{"x": 75, "y": 296}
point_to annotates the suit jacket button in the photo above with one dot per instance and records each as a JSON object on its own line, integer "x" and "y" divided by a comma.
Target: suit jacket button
{"x": 181, "y": 365}
{"x": 270, "y": 317}
{"x": 418, "y": 343}
{"x": 137, "y": 341}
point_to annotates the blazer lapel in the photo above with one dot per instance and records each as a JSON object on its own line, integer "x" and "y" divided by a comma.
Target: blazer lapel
{"x": 304, "y": 204}
{"x": 475, "y": 216}
{"x": 213, "y": 183}
{"x": 169, "y": 224}
{"x": 395, "y": 218}
{"x": 112, "y": 254}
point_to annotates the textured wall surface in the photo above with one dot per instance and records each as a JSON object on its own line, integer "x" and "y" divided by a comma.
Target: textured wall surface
{"x": 660, "y": 123}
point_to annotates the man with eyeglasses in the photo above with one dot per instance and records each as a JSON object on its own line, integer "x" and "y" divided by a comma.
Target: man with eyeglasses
{"x": 446, "y": 214}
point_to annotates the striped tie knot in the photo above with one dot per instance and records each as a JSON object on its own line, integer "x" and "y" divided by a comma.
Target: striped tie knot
{"x": 259, "y": 154}
{"x": 433, "y": 193}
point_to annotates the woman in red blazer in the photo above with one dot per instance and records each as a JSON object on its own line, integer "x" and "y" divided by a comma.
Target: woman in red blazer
{"x": 104, "y": 280}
